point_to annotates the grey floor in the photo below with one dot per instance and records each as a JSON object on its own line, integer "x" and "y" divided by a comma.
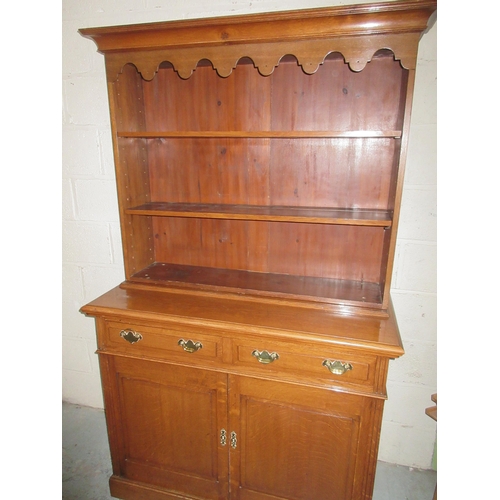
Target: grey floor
{"x": 86, "y": 464}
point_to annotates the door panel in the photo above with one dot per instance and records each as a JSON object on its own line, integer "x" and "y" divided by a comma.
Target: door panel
{"x": 170, "y": 420}
{"x": 294, "y": 442}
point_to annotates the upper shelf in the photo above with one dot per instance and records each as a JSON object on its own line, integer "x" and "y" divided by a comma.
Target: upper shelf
{"x": 237, "y": 134}
{"x": 311, "y": 215}
{"x": 309, "y": 34}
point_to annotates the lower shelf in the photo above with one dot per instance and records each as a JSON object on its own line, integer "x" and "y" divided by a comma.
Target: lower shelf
{"x": 324, "y": 290}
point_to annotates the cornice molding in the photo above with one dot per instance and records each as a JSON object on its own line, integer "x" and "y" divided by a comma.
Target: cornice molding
{"x": 357, "y": 32}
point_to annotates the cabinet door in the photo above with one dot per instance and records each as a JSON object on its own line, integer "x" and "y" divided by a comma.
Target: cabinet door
{"x": 300, "y": 443}
{"x": 164, "y": 424}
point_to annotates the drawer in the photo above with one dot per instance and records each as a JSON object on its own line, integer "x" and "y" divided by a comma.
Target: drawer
{"x": 317, "y": 363}
{"x": 135, "y": 339}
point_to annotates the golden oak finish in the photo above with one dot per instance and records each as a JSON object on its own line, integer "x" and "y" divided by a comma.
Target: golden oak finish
{"x": 241, "y": 315}
{"x": 259, "y": 164}
{"x": 279, "y": 455}
{"x": 221, "y": 39}
{"x": 154, "y": 388}
{"x": 169, "y": 420}
{"x": 161, "y": 343}
{"x": 312, "y": 135}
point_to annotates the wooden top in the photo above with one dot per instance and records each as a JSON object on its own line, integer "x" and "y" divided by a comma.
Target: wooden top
{"x": 364, "y": 19}
{"x": 308, "y": 34}
{"x": 244, "y": 315}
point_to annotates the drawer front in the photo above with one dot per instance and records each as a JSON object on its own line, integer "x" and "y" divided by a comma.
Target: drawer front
{"x": 317, "y": 363}
{"x": 135, "y": 339}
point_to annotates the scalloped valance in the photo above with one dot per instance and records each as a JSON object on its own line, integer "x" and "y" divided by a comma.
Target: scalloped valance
{"x": 357, "y": 33}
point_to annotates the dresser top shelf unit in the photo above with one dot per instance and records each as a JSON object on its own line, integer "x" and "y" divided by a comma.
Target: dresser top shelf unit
{"x": 263, "y": 155}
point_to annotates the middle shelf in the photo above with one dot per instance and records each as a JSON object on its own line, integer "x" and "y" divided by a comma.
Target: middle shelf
{"x": 311, "y": 215}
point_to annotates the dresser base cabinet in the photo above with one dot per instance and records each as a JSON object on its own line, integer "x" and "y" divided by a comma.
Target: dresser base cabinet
{"x": 188, "y": 423}
{"x": 174, "y": 432}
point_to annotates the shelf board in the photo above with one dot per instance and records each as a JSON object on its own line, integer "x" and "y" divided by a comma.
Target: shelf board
{"x": 284, "y": 286}
{"x": 310, "y": 215}
{"x": 261, "y": 134}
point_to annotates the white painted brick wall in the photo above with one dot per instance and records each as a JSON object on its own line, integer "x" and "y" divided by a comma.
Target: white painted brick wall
{"x": 408, "y": 435}
{"x": 92, "y": 260}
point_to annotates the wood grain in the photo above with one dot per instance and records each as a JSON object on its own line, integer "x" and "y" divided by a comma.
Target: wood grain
{"x": 312, "y": 215}
{"x": 259, "y": 164}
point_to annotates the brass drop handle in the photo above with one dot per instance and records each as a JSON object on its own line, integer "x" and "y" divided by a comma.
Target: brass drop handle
{"x": 265, "y": 357}
{"x": 130, "y": 336}
{"x": 337, "y": 367}
{"x": 189, "y": 345}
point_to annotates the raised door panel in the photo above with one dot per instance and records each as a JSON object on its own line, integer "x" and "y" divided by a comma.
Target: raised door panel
{"x": 167, "y": 426}
{"x": 297, "y": 443}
